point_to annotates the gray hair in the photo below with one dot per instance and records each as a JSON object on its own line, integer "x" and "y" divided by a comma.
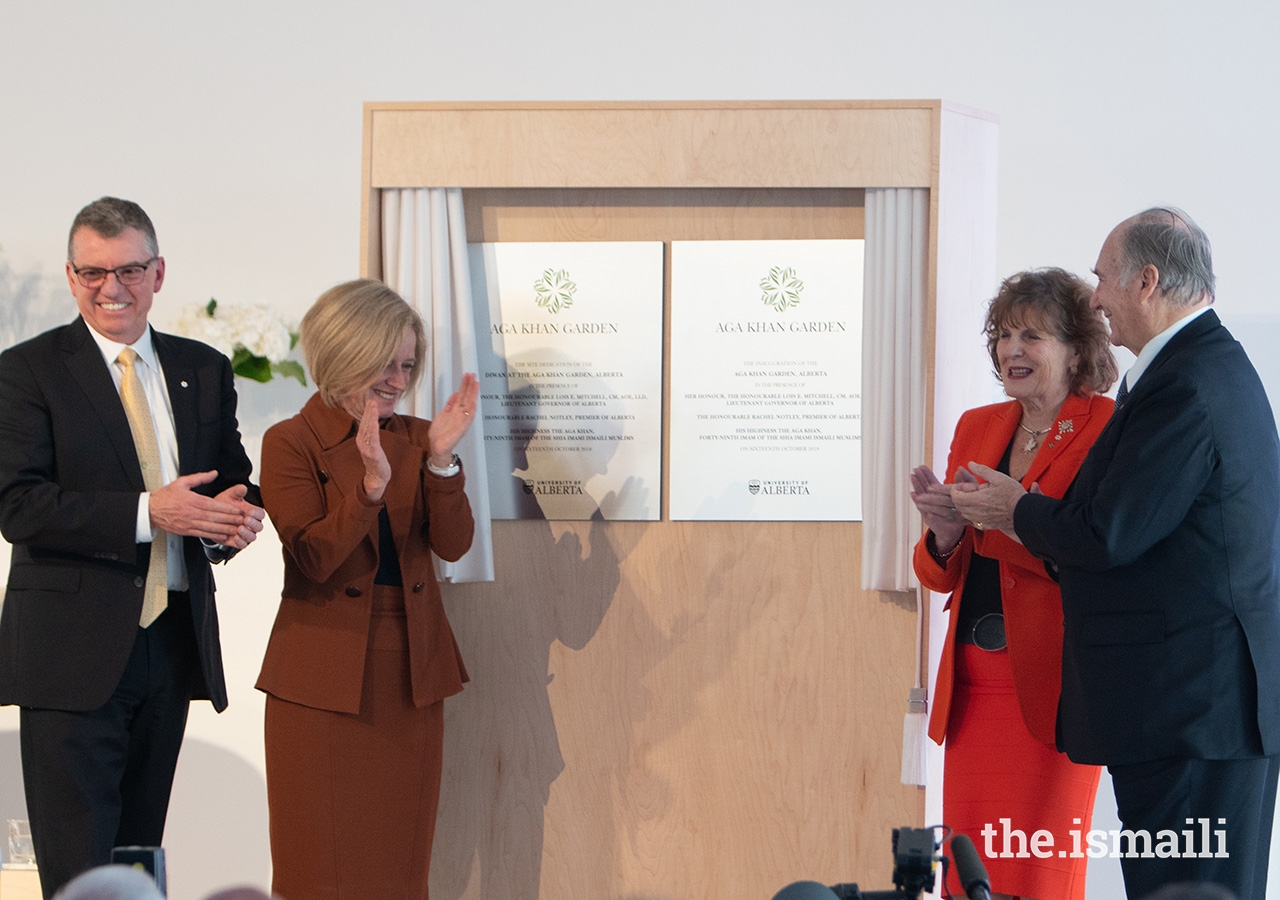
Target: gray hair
{"x": 114, "y": 882}
{"x": 1167, "y": 238}
{"x": 109, "y": 216}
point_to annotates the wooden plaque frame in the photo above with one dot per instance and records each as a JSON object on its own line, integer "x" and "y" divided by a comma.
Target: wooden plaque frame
{"x": 676, "y": 709}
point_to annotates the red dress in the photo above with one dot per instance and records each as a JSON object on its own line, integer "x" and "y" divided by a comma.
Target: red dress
{"x": 997, "y": 710}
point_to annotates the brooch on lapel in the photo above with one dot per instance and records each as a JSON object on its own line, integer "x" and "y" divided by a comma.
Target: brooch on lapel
{"x": 1066, "y": 426}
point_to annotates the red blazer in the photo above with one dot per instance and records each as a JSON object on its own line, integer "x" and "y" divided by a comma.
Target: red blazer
{"x": 1032, "y": 602}
{"x": 312, "y": 488}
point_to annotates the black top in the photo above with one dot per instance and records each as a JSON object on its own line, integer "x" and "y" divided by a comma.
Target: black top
{"x": 981, "y": 595}
{"x": 388, "y": 559}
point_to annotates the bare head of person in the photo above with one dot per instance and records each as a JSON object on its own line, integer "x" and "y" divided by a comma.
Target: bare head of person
{"x": 1153, "y": 269}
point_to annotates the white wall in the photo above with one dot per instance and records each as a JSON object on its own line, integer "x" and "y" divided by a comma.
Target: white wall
{"x": 237, "y": 126}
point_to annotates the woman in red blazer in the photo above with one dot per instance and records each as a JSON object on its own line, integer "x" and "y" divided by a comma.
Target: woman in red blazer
{"x": 995, "y": 700}
{"x": 361, "y": 656}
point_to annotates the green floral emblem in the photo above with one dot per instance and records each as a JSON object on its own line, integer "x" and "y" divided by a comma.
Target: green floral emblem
{"x": 555, "y": 291}
{"x": 781, "y": 288}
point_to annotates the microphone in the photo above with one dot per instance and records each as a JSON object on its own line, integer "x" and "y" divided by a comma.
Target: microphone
{"x": 969, "y": 868}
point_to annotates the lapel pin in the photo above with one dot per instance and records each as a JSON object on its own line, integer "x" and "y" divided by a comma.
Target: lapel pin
{"x": 183, "y": 383}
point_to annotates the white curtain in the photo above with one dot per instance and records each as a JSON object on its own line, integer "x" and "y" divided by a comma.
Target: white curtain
{"x": 893, "y": 406}
{"x": 424, "y": 258}
{"x": 893, "y": 389}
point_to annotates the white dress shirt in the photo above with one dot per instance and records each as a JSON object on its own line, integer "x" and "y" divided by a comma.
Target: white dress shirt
{"x": 153, "y": 383}
{"x": 1155, "y": 345}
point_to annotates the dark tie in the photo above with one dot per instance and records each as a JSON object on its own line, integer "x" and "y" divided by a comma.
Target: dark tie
{"x": 1123, "y": 392}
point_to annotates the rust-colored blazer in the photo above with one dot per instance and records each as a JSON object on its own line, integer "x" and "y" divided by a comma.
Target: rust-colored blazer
{"x": 312, "y": 488}
{"x": 1032, "y": 602}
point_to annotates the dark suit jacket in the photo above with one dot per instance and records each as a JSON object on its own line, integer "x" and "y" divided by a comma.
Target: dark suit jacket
{"x": 1032, "y": 604}
{"x": 1168, "y": 548}
{"x": 69, "y": 486}
{"x": 312, "y": 488}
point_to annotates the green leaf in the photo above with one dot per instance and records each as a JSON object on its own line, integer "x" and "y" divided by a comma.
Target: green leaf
{"x": 210, "y": 307}
{"x": 288, "y": 368}
{"x": 246, "y": 365}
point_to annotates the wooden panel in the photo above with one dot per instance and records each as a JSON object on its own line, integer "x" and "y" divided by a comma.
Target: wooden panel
{"x": 370, "y": 206}
{"x": 664, "y": 145}
{"x": 673, "y": 709}
{"x": 669, "y": 214}
{"x": 20, "y": 884}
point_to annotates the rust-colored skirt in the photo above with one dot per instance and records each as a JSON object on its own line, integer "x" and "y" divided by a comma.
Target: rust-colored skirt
{"x": 995, "y": 770}
{"x": 353, "y": 798}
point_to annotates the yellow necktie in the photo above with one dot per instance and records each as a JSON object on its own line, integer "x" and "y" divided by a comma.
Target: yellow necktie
{"x": 156, "y": 594}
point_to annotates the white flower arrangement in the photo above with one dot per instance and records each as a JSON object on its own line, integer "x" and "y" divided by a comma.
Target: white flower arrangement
{"x": 255, "y": 339}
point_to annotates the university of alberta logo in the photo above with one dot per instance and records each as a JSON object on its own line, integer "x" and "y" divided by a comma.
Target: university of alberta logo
{"x": 554, "y": 290}
{"x": 771, "y": 488}
{"x": 781, "y": 288}
{"x": 552, "y": 486}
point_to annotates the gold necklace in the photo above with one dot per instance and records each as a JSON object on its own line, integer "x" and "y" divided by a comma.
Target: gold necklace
{"x": 1034, "y": 441}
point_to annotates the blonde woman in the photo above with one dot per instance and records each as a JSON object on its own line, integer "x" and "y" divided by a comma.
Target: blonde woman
{"x": 361, "y": 656}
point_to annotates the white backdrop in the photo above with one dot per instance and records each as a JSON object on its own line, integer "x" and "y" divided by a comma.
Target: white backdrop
{"x": 237, "y": 126}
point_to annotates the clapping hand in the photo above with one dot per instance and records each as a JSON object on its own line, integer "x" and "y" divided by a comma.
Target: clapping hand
{"x": 452, "y": 422}
{"x": 937, "y": 511}
{"x": 178, "y": 509}
{"x": 988, "y": 505}
{"x": 253, "y": 516}
{"x": 377, "y": 471}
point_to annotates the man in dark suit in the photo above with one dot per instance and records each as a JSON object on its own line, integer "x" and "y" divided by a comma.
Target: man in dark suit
{"x": 1168, "y": 550}
{"x": 122, "y": 477}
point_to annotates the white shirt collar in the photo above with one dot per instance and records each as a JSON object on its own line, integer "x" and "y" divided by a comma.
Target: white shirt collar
{"x": 1153, "y": 347}
{"x": 143, "y": 346}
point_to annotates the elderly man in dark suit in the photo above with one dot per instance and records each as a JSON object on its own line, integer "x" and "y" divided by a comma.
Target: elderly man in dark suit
{"x": 1168, "y": 550}
{"x": 122, "y": 476}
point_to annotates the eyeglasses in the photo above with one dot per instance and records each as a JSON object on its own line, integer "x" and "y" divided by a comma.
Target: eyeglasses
{"x": 133, "y": 273}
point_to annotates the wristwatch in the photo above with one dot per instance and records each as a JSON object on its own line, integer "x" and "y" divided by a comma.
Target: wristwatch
{"x": 448, "y": 471}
